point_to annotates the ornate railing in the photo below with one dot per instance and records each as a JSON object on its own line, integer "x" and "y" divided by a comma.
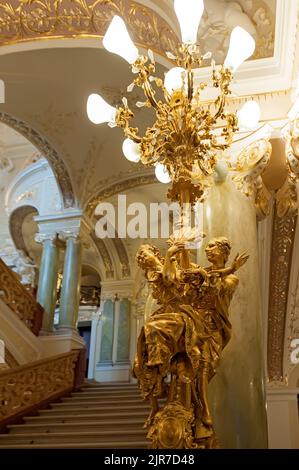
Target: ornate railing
{"x": 18, "y": 299}
{"x": 27, "y": 388}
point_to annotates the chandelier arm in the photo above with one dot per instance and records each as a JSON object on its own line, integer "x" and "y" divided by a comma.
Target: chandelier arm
{"x": 147, "y": 88}
{"x": 132, "y": 135}
{"x": 220, "y": 108}
{"x": 190, "y": 85}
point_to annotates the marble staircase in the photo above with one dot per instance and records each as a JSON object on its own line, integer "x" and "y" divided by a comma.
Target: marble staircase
{"x": 98, "y": 416}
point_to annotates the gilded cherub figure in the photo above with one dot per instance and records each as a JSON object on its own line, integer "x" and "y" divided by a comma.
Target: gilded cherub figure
{"x": 184, "y": 338}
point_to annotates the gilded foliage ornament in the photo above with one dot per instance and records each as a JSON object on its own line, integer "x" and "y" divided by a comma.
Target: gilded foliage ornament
{"x": 23, "y": 20}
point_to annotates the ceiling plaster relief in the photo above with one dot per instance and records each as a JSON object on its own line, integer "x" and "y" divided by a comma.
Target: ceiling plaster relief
{"x": 220, "y": 17}
{"x": 31, "y": 20}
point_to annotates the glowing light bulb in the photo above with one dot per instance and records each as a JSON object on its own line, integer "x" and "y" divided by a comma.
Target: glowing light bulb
{"x": 174, "y": 80}
{"x": 189, "y": 13}
{"x": 249, "y": 115}
{"x": 131, "y": 150}
{"x": 241, "y": 47}
{"x": 162, "y": 174}
{"x": 117, "y": 40}
{"x": 98, "y": 111}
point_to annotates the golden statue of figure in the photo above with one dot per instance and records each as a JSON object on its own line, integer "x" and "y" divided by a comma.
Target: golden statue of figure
{"x": 180, "y": 346}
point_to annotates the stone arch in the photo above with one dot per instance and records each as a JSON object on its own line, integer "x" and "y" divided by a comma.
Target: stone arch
{"x": 48, "y": 151}
{"x": 15, "y": 225}
{"x": 118, "y": 243}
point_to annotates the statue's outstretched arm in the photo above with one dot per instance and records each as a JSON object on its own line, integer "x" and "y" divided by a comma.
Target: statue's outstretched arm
{"x": 238, "y": 262}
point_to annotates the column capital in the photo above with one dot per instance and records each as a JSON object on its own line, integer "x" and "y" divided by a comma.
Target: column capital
{"x": 70, "y": 223}
{"x": 42, "y": 237}
{"x": 122, "y": 289}
{"x": 66, "y": 235}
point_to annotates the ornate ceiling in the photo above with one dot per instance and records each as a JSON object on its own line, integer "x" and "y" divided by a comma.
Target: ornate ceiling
{"x": 152, "y": 23}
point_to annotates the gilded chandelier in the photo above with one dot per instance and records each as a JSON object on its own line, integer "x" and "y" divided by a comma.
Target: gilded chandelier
{"x": 188, "y": 134}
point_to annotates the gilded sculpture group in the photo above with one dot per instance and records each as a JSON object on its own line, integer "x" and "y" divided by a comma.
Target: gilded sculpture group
{"x": 180, "y": 345}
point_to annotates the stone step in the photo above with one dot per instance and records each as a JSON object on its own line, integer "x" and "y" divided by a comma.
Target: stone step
{"x": 109, "y": 384}
{"x": 91, "y": 410}
{"x": 118, "y": 393}
{"x": 79, "y": 437}
{"x": 108, "y": 387}
{"x": 99, "y": 416}
{"x": 138, "y": 444}
{"x": 64, "y": 417}
{"x": 135, "y": 424}
{"x": 99, "y": 405}
{"x": 104, "y": 400}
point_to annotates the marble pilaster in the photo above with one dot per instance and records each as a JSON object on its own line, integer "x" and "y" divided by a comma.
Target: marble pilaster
{"x": 236, "y": 393}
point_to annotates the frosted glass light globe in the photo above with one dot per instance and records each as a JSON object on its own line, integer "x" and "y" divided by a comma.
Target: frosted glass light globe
{"x": 98, "y": 110}
{"x": 162, "y": 174}
{"x": 241, "y": 47}
{"x": 189, "y": 13}
{"x": 173, "y": 80}
{"x": 131, "y": 150}
{"x": 117, "y": 40}
{"x": 249, "y": 115}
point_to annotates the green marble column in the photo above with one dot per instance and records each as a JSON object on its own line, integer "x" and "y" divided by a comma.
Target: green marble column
{"x": 123, "y": 333}
{"x": 70, "y": 293}
{"x": 47, "y": 284}
{"x": 107, "y": 333}
{"x": 236, "y": 393}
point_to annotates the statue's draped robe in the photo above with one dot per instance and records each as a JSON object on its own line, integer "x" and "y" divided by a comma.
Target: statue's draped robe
{"x": 199, "y": 327}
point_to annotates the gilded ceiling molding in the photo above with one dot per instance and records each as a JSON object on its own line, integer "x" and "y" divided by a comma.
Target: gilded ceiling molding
{"x": 283, "y": 236}
{"x": 118, "y": 188}
{"x": 28, "y": 20}
{"x": 46, "y": 149}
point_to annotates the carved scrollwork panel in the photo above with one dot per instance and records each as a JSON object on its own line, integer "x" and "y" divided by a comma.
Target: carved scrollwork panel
{"x": 18, "y": 299}
{"x": 24, "y": 387}
{"x": 247, "y": 171}
{"x": 283, "y": 236}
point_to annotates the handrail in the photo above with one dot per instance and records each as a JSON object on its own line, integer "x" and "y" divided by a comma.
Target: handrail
{"x": 24, "y": 389}
{"x": 19, "y": 300}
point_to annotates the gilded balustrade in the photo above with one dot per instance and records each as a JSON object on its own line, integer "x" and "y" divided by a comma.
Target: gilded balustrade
{"x": 26, "y": 387}
{"x": 19, "y": 300}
